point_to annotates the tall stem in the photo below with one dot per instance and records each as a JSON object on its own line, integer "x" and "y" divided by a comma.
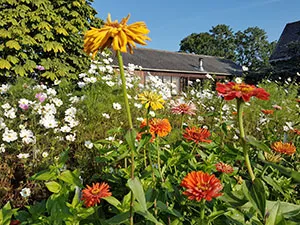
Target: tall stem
{"x": 121, "y": 67}
{"x": 240, "y": 109}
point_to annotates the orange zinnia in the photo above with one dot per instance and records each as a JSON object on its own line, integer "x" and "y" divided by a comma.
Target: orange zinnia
{"x": 224, "y": 168}
{"x": 159, "y": 127}
{"x": 196, "y": 134}
{"x": 200, "y": 185}
{"x": 285, "y": 148}
{"x": 92, "y": 195}
{"x": 267, "y": 111}
{"x": 232, "y": 90}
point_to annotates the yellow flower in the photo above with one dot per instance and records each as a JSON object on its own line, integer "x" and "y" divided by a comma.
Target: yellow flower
{"x": 115, "y": 34}
{"x": 151, "y": 99}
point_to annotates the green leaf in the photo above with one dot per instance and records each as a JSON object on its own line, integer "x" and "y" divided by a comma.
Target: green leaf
{"x": 286, "y": 171}
{"x": 53, "y": 186}
{"x": 4, "y": 64}
{"x": 19, "y": 70}
{"x": 119, "y": 218}
{"x": 130, "y": 137}
{"x": 12, "y": 59}
{"x": 6, "y": 213}
{"x": 258, "y": 144}
{"x": 44, "y": 175}
{"x": 70, "y": 178}
{"x": 113, "y": 201}
{"x": 146, "y": 214}
{"x": 138, "y": 192}
{"x": 13, "y": 44}
{"x": 274, "y": 215}
{"x": 255, "y": 193}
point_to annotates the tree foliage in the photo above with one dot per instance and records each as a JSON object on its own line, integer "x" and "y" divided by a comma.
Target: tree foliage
{"x": 48, "y": 33}
{"x": 249, "y": 48}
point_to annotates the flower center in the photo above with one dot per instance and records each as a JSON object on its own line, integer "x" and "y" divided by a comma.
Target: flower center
{"x": 95, "y": 191}
{"x": 202, "y": 187}
{"x": 243, "y": 88}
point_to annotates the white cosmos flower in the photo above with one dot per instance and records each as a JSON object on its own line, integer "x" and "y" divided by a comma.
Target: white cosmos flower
{"x": 105, "y": 115}
{"x": 9, "y": 135}
{"x": 23, "y": 155}
{"x": 65, "y": 129}
{"x": 71, "y": 137}
{"x": 48, "y": 121}
{"x": 117, "y": 106}
{"x": 88, "y": 144}
{"x": 71, "y": 111}
{"x": 25, "y": 192}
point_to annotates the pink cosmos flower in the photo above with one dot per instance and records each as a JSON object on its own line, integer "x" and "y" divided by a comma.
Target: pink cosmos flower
{"x": 23, "y": 106}
{"x": 41, "y": 97}
{"x": 277, "y": 107}
{"x": 40, "y": 68}
{"x": 179, "y": 107}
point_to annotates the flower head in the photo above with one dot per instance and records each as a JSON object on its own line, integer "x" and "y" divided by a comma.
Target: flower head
{"x": 196, "y": 134}
{"x": 285, "y": 148}
{"x": 232, "y": 90}
{"x": 267, "y": 111}
{"x": 25, "y": 192}
{"x": 151, "y": 99}
{"x": 200, "y": 185}
{"x": 158, "y": 127}
{"x": 117, "y": 35}
{"x": 296, "y": 131}
{"x": 178, "y": 107}
{"x": 224, "y": 168}
{"x": 92, "y": 195}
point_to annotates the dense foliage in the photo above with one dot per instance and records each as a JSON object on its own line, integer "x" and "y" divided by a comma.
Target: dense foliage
{"x": 44, "y": 34}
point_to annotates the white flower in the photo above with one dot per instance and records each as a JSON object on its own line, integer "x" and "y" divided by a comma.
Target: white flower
{"x": 93, "y": 80}
{"x": 71, "y": 111}
{"x": 80, "y": 84}
{"x": 140, "y": 119}
{"x": 238, "y": 80}
{"x": 65, "y": 129}
{"x": 23, "y": 155}
{"x": 73, "y": 123}
{"x": 88, "y": 144}
{"x": 45, "y": 154}
{"x": 71, "y": 137}
{"x": 117, "y": 106}
{"x": 110, "y": 83}
{"x": 2, "y": 124}
{"x": 58, "y": 102}
{"x": 82, "y": 75}
{"x": 4, "y": 88}
{"x": 138, "y": 105}
{"x": 200, "y": 118}
{"x": 110, "y": 138}
{"x": 51, "y": 91}
{"x": 245, "y": 68}
{"x": 6, "y": 106}
{"x": 152, "y": 113}
{"x": 11, "y": 113}
{"x": 209, "y": 76}
{"x": 9, "y": 135}
{"x": 25, "y": 192}
{"x": 74, "y": 99}
{"x": 27, "y": 136}
{"x": 235, "y": 137}
{"x": 2, "y": 148}
{"x": 105, "y": 115}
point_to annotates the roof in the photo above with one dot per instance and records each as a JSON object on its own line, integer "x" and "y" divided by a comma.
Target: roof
{"x": 290, "y": 34}
{"x": 179, "y": 62}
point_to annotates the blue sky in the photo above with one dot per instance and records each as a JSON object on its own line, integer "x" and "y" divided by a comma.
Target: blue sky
{"x": 169, "y": 21}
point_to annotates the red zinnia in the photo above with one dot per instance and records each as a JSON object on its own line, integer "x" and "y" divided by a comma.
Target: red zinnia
{"x": 267, "y": 111}
{"x": 224, "y": 168}
{"x": 92, "y": 195}
{"x": 201, "y": 185}
{"x": 285, "y": 148}
{"x": 232, "y": 90}
{"x": 296, "y": 131}
{"x": 196, "y": 134}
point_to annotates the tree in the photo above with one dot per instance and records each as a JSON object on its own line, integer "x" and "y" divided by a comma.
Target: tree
{"x": 47, "y": 33}
{"x": 219, "y": 42}
{"x": 253, "y": 49}
{"x": 248, "y": 48}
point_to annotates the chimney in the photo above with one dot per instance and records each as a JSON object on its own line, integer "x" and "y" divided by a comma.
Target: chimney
{"x": 201, "y": 64}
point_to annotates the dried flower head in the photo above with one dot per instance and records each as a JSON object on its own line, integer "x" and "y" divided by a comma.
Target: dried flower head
{"x": 92, "y": 195}
{"x": 224, "y": 168}
{"x": 267, "y": 111}
{"x": 200, "y": 185}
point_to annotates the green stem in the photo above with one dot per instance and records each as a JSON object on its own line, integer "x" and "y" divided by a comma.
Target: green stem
{"x": 240, "y": 109}
{"x": 158, "y": 160}
{"x": 121, "y": 67}
{"x": 202, "y": 210}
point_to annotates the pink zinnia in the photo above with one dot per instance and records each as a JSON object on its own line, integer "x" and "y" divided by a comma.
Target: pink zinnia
{"x": 41, "y": 97}
{"x": 224, "y": 168}
{"x": 178, "y": 107}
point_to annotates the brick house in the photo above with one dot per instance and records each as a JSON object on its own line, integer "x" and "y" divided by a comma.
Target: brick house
{"x": 179, "y": 67}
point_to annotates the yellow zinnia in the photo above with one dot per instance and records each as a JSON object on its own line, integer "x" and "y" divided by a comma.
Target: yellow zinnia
{"x": 151, "y": 99}
{"x": 115, "y": 34}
